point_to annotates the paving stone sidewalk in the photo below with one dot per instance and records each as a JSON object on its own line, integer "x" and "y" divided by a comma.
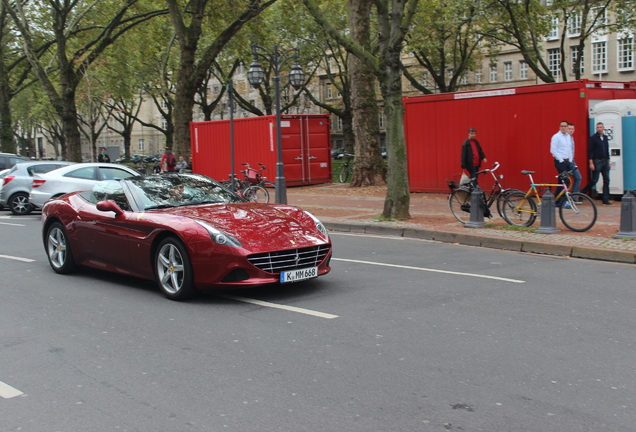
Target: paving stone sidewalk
{"x": 346, "y": 209}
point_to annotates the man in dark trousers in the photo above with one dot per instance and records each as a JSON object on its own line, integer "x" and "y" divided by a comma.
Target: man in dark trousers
{"x": 472, "y": 154}
{"x": 599, "y": 158}
{"x": 103, "y": 156}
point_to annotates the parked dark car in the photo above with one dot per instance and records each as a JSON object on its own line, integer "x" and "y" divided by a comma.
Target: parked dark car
{"x": 337, "y": 154}
{"x": 8, "y": 160}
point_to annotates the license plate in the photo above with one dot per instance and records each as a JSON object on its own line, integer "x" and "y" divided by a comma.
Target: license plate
{"x": 298, "y": 275}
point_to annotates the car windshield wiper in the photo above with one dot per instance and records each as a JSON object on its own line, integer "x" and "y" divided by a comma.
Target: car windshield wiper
{"x": 208, "y": 202}
{"x": 160, "y": 206}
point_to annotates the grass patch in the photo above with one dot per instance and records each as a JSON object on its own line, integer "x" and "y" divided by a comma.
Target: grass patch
{"x": 517, "y": 228}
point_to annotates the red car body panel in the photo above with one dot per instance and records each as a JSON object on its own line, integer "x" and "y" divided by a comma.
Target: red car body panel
{"x": 125, "y": 243}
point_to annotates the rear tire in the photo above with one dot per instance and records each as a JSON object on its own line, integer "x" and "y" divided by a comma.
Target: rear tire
{"x": 459, "y": 201}
{"x": 519, "y": 210}
{"x": 58, "y": 249}
{"x": 578, "y": 217}
{"x": 19, "y": 204}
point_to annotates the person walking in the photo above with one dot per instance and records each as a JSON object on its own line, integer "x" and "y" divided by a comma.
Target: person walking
{"x": 561, "y": 150}
{"x": 577, "y": 173}
{"x": 168, "y": 161}
{"x": 103, "y": 156}
{"x": 472, "y": 154}
{"x": 599, "y": 159}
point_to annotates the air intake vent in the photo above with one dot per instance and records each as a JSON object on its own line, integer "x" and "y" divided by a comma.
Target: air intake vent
{"x": 293, "y": 259}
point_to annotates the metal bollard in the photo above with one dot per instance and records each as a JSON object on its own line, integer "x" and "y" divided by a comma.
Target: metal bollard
{"x": 628, "y": 216}
{"x": 476, "y": 209}
{"x": 548, "y": 215}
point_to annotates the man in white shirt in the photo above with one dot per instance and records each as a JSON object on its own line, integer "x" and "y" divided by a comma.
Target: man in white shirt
{"x": 561, "y": 149}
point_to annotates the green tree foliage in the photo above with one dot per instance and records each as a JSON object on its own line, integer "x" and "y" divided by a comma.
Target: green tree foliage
{"x": 81, "y": 30}
{"x": 446, "y": 40}
{"x": 202, "y": 28}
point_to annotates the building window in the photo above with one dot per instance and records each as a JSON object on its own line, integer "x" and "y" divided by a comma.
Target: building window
{"x": 508, "y": 71}
{"x": 381, "y": 120}
{"x": 574, "y": 54}
{"x": 523, "y": 69}
{"x": 142, "y": 145}
{"x": 626, "y": 54}
{"x": 554, "y": 62}
{"x": 464, "y": 80}
{"x": 600, "y": 15}
{"x": 599, "y": 57}
{"x": 493, "y": 72}
{"x": 478, "y": 76}
{"x": 329, "y": 91}
{"x": 554, "y": 28}
{"x": 164, "y": 123}
{"x": 574, "y": 24}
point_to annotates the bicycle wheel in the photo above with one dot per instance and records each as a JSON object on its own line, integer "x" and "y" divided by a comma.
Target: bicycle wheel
{"x": 578, "y": 217}
{"x": 345, "y": 173}
{"x": 257, "y": 194}
{"x": 519, "y": 210}
{"x": 459, "y": 201}
{"x": 502, "y": 198}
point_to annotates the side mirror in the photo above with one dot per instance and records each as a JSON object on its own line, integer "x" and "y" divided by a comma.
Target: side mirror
{"x": 110, "y": 205}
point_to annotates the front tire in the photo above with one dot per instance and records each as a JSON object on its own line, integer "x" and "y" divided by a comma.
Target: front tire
{"x": 345, "y": 173}
{"x": 578, "y": 217}
{"x": 19, "y": 204}
{"x": 173, "y": 270}
{"x": 257, "y": 194}
{"x": 58, "y": 249}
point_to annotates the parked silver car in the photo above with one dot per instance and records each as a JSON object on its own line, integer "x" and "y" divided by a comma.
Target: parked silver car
{"x": 16, "y": 184}
{"x": 73, "y": 178}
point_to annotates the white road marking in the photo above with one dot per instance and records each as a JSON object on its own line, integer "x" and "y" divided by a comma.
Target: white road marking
{"x": 17, "y": 258}
{"x": 430, "y": 270}
{"x": 12, "y": 224}
{"x": 278, "y": 306}
{"x": 6, "y": 391}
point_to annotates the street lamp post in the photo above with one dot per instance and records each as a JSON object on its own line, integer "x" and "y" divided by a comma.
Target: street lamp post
{"x": 256, "y": 75}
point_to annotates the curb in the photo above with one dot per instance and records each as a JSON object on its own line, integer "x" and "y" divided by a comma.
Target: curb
{"x": 488, "y": 242}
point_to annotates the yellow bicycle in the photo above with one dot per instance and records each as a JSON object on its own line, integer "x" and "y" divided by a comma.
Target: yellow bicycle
{"x": 576, "y": 210}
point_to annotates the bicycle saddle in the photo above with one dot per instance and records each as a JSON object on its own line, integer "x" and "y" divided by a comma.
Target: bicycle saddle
{"x": 524, "y": 172}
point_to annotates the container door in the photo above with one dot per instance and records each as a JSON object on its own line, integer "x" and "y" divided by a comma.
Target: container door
{"x": 307, "y": 150}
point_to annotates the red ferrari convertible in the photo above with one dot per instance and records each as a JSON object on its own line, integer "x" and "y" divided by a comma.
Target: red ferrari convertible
{"x": 185, "y": 231}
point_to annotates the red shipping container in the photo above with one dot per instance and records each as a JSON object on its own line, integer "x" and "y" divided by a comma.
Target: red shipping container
{"x": 514, "y": 127}
{"x": 306, "y": 144}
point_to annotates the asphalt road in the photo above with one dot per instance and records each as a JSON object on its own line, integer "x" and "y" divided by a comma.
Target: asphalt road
{"x": 403, "y": 335}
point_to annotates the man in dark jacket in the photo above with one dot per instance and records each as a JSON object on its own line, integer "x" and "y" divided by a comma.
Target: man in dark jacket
{"x": 472, "y": 154}
{"x": 103, "y": 156}
{"x": 599, "y": 158}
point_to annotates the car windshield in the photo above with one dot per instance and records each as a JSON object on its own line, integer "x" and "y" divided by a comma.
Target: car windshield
{"x": 172, "y": 190}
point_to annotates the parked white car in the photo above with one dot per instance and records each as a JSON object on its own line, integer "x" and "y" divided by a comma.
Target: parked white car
{"x": 73, "y": 178}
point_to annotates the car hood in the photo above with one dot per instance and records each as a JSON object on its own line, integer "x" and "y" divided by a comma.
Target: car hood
{"x": 253, "y": 222}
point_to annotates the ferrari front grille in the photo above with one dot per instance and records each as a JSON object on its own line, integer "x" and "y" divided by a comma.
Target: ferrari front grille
{"x": 293, "y": 259}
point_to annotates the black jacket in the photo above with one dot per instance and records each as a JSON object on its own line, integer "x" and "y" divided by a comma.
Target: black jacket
{"x": 467, "y": 154}
{"x": 598, "y": 147}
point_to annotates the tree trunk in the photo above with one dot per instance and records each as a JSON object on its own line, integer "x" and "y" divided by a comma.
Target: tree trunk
{"x": 369, "y": 167}
{"x": 397, "y": 201}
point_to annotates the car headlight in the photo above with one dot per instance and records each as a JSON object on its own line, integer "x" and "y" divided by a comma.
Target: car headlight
{"x": 219, "y": 237}
{"x": 319, "y": 224}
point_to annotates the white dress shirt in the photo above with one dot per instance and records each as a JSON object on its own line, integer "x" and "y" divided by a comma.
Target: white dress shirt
{"x": 561, "y": 146}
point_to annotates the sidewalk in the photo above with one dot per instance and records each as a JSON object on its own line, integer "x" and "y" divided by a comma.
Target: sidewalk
{"x": 342, "y": 208}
